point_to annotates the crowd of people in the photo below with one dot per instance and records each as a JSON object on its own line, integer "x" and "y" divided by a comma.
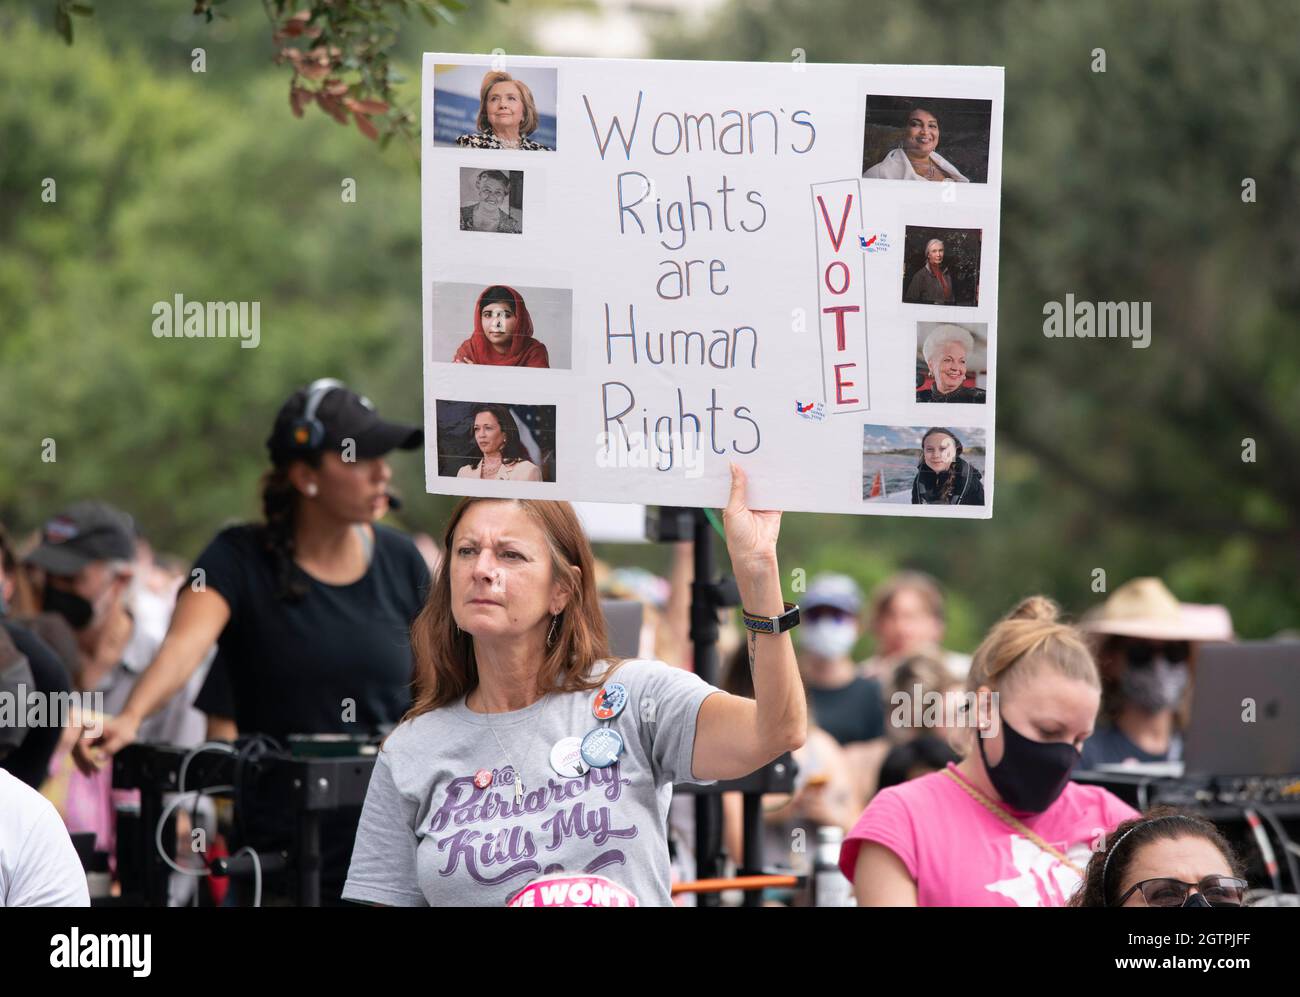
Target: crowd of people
{"x": 517, "y": 747}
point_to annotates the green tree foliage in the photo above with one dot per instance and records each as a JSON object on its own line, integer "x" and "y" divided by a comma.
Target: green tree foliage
{"x": 1118, "y": 186}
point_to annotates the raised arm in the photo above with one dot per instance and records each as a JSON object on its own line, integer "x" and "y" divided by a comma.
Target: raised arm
{"x": 735, "y": 736}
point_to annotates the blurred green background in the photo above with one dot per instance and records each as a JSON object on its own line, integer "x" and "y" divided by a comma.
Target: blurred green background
{"x": 1122, "y": 185}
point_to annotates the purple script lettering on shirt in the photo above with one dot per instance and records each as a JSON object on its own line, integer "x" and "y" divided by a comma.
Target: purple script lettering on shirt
{"x": 464, "y": 803}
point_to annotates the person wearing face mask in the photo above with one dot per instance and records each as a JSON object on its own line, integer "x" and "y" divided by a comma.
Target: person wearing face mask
{"x": 86, "y": 557}
{"x": 503, "y": 332}
{"x": 847, "y": 705}
{"x": 85, "y": 560}
{"x": 1146, "y": 644}
{"x": 1005, "y": 827}
{"x": 1164, "y": 858}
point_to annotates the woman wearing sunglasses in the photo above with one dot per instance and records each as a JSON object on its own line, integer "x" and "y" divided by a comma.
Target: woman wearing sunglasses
{"x": 1146, "y": 647}
{"x": 1163, "y": 859}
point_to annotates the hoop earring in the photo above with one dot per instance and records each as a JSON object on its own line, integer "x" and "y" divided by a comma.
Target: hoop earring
{"x": 550, "y": 637}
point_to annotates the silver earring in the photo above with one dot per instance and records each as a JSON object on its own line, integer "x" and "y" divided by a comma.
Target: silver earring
{"x": 550, "y": 637}
{"x": 311, "y": 491}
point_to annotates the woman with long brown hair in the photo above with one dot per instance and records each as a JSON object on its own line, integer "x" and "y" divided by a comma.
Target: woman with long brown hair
{"x": 529, "y": 751}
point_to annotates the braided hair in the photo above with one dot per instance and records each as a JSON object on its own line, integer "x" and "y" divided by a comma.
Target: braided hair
{"x": 280, "y": 498}
{"x": 948, "y": 478}
{"x": 280, "y": 512}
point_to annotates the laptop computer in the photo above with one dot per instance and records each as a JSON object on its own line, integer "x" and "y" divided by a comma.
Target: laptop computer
{"x": 1245, "y": 710}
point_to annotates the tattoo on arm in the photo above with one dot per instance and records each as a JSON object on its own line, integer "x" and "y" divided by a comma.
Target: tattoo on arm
{"x": 753, "y": 646}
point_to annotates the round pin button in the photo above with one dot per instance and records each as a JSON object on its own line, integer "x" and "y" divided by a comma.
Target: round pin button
{"x": 566, "y": 758}
{"x": 482, "y": 778}
{"x": 610, "y": 701}
{"x": 601, "y": 747}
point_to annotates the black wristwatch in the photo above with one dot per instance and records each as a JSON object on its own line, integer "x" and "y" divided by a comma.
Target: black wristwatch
{"x": 773, "y": 624}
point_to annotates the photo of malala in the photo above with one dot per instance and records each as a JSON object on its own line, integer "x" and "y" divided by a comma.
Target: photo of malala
{"x": 508, "y": 325}
{"x": 913, "y": 465}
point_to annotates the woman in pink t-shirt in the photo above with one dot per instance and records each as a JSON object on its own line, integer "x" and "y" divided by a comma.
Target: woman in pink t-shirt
{"x": 1005, "y": 827}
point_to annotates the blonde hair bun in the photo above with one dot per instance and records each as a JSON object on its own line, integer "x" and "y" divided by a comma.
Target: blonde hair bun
{"x": 1036, "y": 607}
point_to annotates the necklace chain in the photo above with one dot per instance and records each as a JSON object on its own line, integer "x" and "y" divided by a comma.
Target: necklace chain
{"x": 519, "y": 778}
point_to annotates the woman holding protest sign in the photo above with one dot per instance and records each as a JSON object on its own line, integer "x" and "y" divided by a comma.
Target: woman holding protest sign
{"x": 503, "y": 332}
{"x": 943, "y": 476}
{"x": 1005, "y": 826}
{"x": 507, "y": 115}
{"x": 529, "y": 751}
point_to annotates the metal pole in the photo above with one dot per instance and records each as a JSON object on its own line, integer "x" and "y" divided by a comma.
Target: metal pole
{"x": 704, "y": 638}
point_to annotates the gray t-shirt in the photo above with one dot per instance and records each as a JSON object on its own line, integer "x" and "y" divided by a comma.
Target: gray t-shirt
{"x": 429, "y": 837}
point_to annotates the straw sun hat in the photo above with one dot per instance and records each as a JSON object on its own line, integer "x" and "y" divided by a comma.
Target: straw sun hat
{"x": 1145, "y": 609}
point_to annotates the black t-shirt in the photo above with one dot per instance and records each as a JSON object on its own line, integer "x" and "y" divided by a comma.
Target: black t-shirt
{"x": 30, "y": 760}
{"x": 853, "y": 712}
{"x": 288, "y": 667}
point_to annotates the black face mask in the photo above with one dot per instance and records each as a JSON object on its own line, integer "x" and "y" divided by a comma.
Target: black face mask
{"x": 1196, "y": 900}
{"x": 72, "y": 607}
{"x": 1031, "y": 774}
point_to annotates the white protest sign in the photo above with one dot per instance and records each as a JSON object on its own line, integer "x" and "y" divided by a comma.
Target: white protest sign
{"x": 636, "y": 272}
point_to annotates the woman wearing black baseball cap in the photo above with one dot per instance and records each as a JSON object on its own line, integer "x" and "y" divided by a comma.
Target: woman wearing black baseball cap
{"x": 311, "y": 608}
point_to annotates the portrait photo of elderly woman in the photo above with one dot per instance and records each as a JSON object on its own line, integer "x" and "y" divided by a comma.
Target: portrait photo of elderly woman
{"x": 943, "y": 476}
{"x": 947, "y": 357}
{"x": 941, "y": 266}
{"x": 503, "y": 332}
{"x": 932, "y": 284}
{"x": 902, "y": 136}
{"x": 507, "y": 115}
{"x": 491, "y": 201}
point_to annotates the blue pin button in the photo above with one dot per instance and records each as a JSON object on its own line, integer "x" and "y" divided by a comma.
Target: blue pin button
{"x": 601, "y": 747}
{"x": 609, "y": 701}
